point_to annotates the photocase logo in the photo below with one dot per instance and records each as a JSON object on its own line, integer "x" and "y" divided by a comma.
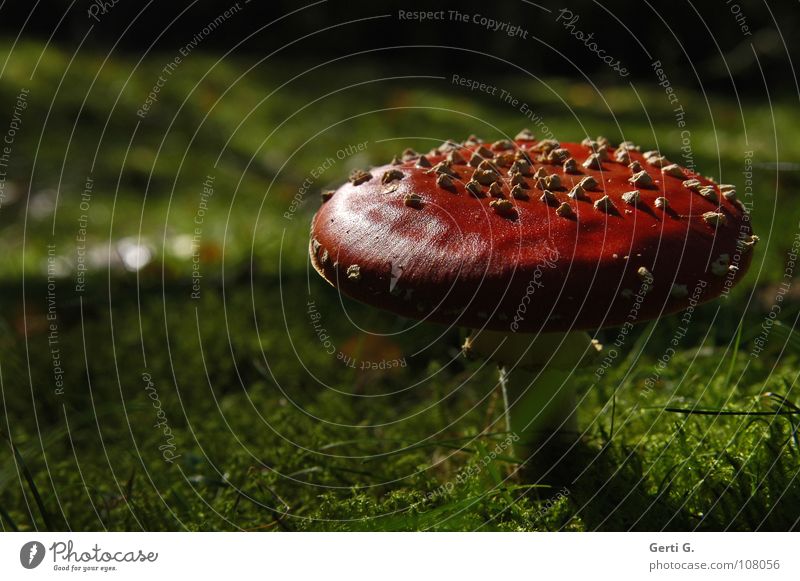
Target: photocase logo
{"x": 31, "y": 554}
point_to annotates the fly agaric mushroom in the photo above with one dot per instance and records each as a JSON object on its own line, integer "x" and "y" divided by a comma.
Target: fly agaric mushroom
{"x": 530, "y": 244}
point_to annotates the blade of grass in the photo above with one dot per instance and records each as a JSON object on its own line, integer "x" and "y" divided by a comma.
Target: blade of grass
{"x": 705, "y": 412}
{"x": 8, "y": 519}
{"x": 494, "y": 473}
{"x": 34, "y": 490}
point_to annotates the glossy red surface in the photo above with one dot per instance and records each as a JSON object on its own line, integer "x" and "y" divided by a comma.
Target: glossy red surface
{"x": 525, "y": 265}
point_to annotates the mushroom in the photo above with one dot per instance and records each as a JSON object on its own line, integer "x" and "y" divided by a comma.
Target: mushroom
{"x": 530, "y": 274}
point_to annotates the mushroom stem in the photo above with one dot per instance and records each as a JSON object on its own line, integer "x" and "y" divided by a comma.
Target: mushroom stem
{"x": 535, "y": 374}
{"x": 541, "y": 405}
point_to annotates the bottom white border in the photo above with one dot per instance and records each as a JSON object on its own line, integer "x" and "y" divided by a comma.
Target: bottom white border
{"x": 401, "y": 556}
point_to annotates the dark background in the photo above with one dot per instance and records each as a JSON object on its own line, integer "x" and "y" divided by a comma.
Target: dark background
{"x": 705, "y": 34}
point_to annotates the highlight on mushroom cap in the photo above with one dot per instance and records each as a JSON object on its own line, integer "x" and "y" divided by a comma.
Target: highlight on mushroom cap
{"x": 472, "y": 223}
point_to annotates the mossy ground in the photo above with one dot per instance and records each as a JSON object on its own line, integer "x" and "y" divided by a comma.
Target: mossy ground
{"x": 240, "y": 374}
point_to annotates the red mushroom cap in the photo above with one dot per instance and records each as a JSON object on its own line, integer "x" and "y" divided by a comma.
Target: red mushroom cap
{"x": 531, "y": 235}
